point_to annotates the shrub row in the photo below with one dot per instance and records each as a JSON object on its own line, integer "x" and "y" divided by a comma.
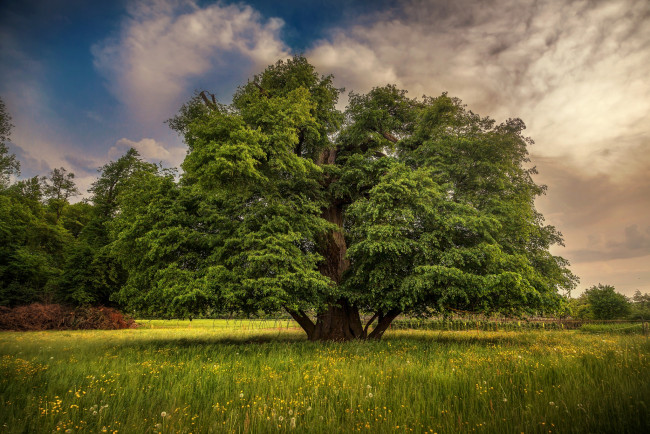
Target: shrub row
{"x": 37, "y": 316}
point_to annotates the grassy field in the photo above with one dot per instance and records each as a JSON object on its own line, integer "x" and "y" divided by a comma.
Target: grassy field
{"x": 256, "y": 377}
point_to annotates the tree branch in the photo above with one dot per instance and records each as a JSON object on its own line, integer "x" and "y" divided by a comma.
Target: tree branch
{"x": 384, "y": 323}
{"x": 262, "y": 90}
{"x": 211, "y": 104}
{"x": 370, "y": 321}
{"x": 388, "y": 136}
{"x": 303, "y": 320}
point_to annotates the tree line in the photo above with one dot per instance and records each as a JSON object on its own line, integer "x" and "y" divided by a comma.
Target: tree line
{"x": 395, "y": 206}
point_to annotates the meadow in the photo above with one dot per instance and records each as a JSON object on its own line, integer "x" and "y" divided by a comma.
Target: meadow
{"x": 263, "y": 376}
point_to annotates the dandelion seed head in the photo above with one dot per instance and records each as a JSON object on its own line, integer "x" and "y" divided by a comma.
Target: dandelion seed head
{"x": 163, "y": 414}
{"x": 505, "y": 399}
{"x": 281, "y": 418}
{"x": 551, "y": 403}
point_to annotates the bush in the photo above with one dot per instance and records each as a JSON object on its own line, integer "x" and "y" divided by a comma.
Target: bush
{"x": 621, "y": 328}
{"x": 39, "y": 316}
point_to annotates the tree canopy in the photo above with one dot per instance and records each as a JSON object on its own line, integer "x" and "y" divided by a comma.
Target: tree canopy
{"x": 603, "y": 302}
{"x": 397, "y": 205}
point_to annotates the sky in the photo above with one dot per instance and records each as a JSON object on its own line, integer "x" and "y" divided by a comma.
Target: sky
{"x": 86, "y": 80}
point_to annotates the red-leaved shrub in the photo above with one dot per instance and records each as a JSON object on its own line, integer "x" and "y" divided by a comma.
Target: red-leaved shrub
{"x": 39, "y": 316}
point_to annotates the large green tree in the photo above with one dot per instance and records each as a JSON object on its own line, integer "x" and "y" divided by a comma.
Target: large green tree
{"x": 397, "y": 206}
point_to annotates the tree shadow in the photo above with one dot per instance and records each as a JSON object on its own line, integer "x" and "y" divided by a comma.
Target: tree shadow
{"x": 482, "y": 339}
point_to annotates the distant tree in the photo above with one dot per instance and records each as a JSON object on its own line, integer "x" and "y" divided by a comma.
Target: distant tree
{"x": 113, "y": 176}
{"x": 31, "y": 247}
{"x": 9, "y": 165}
{"x": 605, "y": 303}
{"x": 640, "y": 306}
{"x": 643, "y": 300}
{"x": 580, "y": 308}
{"x": 31, "y": 189}
{"x": 32, "y": 243}
{"x": 58, "y": 188}
{"x": 92, "y": 273}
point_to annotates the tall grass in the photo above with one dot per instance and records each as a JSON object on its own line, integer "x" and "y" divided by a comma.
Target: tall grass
{"x": 213, "y": 376}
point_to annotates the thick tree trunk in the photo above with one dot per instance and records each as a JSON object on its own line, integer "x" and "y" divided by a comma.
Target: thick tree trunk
{"x": 341, "y": 320}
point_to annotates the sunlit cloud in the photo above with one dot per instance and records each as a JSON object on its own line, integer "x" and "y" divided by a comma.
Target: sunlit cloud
{"x": 163, "y": 44}
{"x": 574, "y": 71}
{"x": 150, "y": 150}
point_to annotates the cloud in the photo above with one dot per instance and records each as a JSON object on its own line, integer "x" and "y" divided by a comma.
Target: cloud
{"x": 635, "y": 243}
{"x": 605, "y": 218}
{"x": 574, "y": 71}
{"x": 163, "y": 45}
{"x": 626, "y": 274}
{"x": 150, "y": 150}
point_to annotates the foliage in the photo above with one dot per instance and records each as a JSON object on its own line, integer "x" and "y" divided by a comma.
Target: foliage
{"x": 57, "y": 189}
{"x": 51, "y": 250}
{"x": 31, "y": 249}
{"x": 163, "y": 241}
{"x": 603, "y": 302}
{"x": 640, "y": 305}
{"x": 397, "y": 206}
{"x": 92, "y": 272}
